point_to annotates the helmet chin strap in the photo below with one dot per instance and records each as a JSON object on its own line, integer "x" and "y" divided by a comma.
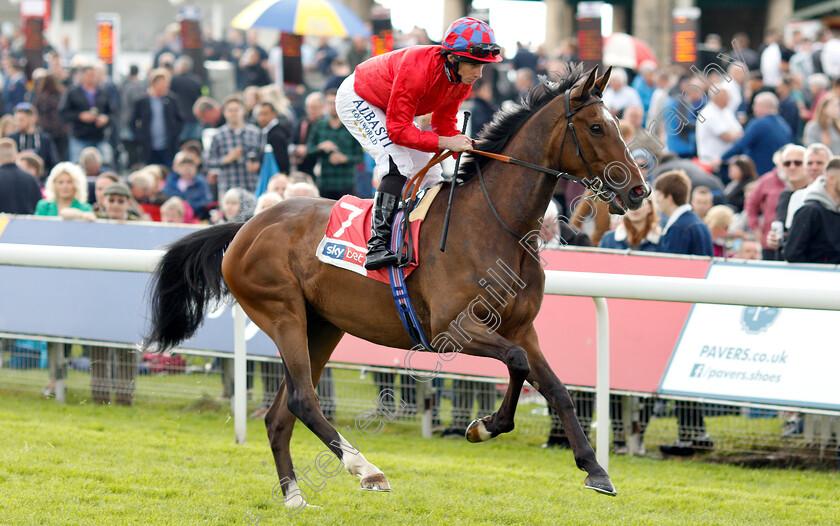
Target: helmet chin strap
{"x": 452, "y": 71}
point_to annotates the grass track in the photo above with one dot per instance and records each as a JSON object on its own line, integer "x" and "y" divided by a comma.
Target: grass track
{"x": 153, "y": 464}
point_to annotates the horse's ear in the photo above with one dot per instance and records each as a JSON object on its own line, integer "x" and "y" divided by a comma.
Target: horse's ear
{"x": 586, "y": 87}
{"x": 601, "y": 83}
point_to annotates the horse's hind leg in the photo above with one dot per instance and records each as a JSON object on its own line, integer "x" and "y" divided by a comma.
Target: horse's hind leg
{"x": 297, "y": 344}
{"x": 547, "y": 383}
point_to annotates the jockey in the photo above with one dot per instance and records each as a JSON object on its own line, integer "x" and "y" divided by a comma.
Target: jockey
{"x": 378, "y": 104}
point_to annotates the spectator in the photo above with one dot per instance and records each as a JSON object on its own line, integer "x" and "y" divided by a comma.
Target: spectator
{"x": 814, "y": 235}
{"x": 29, "y": 138}
{"x": 816, "y": 160}
{"x": 275, "y": 134}
{"x": 238, "y": 205}
{"x": 186, "y": 183}
{"x": 46, "y": 99}
{"x": 143, "y": 194}
{"x": 718, "y": 127}
{"x": 525, "y": 80}
{"x": 233, "y": 156}
{"x": 763, "y": 135}
{"x": 32, "y": 164}
{"x": 117, "y": 200}
{"x": 339, "y": 70}
{"x": 737, "y": 72}
{"x": 701, "y": 201}
{"x": 208, "y": 112}
{"x": 314, "y": 108}
{"x": 19, "y": 191}
{"x": 186, "y": 86}
{"x": 251, "y": 96}
{"x": 773, "y": 57}
{"x": 157, "y": 121}
{"x": 638, "y": 230}
{"x": 252, "y": 72}
{"x": 102, "y": 182}
{"x": 131, "y": 90}
{"x": 277, "y": 184}
{"x": 525, "y": 58}
{"x": 719, "y": 219}
{"x": 749, "y": 248}
{"x": 825, "y": 126}
{"x": 301, "y": 190}
{"x": 684, "y": 233}
{"x": 337, "y": 151}
{"x": 266, "y": 201}
{"x": 619, "y": 96}
{"x": 798, "y": 177}
{"x": 483, "y": 108}
{"x": 789, "y": 105}
{"x": 7, "y": 126}
{"x": 645, "y": 82}
{"x": 66, "y": 194}
{"x": 684, "y": 103}
{"x": 173, "y": 211}
{"x": 761, "y": 204}
{"x": 741, "y": 173}
{"x": 87, "y": 109}
{"x": 359, "y": 51}
{"x": 14, "y": 90}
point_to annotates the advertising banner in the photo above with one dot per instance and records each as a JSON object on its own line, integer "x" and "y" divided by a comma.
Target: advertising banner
{"x": 760, "y": 354}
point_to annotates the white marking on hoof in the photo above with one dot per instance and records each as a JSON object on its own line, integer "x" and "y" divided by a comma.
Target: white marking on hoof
{"x": 477, "y": 432}
{"x": 294, "y": 498}
{"x": 353, "y": 460}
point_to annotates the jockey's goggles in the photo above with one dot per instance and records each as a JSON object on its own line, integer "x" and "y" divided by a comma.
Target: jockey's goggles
{"x": 484, "y": 50}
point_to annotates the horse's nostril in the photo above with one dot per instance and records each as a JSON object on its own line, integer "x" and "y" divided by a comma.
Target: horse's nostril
{"x": 637, "y": 193}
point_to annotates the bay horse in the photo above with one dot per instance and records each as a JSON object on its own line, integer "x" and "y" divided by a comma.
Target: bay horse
{"x": 269, "y": 264}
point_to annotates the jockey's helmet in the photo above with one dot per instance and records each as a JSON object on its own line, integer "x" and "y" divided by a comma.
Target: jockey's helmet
{"x": 471, "y": 40}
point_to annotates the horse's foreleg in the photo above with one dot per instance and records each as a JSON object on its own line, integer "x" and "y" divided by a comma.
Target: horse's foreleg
{"x": 490, "y": 344}
{"x": 547, "y": 383}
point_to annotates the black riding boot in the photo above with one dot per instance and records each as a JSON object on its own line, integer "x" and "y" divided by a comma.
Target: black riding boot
{"x": 379, "y": 253}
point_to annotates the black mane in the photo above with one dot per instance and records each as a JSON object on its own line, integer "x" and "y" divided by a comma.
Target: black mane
{"x": 505, "y": 123}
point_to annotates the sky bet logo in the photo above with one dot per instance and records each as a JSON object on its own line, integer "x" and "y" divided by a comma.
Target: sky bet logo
{"x": 343, "y": 253}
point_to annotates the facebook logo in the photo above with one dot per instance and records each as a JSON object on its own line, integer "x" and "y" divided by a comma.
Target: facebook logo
{"x": 697, "y": 370}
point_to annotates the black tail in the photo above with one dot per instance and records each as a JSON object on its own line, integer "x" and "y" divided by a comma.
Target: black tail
{"x": 187, "y": 279}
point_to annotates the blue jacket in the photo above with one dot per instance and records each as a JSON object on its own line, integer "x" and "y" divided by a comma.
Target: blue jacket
{"x": 617, "y": 240}
{"x": 680, "y": 141}
{"x": 688, "y": 235}
{"x": 197, "y": 194}
{"x": 645, "y": 91}
{"x": 762, "y": 137}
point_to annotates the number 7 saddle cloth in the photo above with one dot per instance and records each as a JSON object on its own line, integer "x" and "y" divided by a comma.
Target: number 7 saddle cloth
{"x": 344, "y": 243}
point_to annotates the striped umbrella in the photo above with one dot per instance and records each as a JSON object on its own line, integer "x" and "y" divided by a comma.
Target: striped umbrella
{"x": 326, "y": 18}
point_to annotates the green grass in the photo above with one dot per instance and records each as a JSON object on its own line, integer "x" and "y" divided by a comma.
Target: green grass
{"x": 158, "y": 464}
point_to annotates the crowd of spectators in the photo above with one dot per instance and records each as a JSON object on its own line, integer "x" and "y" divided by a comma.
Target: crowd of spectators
{"x": 742, "y": 156}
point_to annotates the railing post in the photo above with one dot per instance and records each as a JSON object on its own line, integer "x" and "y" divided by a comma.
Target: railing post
{"x": 240, "y": 376}
{"x": 602, "y": 384}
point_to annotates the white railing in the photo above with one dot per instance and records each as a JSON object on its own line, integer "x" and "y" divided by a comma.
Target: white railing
{"x": 596, "y": 286}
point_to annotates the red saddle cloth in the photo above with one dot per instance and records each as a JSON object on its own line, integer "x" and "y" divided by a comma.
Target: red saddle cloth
{"x": 348, "y": 230}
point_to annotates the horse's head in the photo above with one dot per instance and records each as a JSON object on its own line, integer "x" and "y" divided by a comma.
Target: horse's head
{"x": 591, "y": 146}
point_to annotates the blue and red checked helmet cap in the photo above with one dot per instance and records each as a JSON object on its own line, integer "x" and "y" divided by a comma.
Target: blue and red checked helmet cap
{"x": 473, "y": 39}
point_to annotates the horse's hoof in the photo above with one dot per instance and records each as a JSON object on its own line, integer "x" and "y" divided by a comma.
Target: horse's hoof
{"x": 477, "y": 432}
{"x": 376, "y": 482}
{"x": 601, "y": 484}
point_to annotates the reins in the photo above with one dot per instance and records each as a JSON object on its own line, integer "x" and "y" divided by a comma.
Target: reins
{"x": 593, "y": 184}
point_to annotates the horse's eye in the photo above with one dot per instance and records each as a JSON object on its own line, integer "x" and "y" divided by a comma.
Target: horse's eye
{"x": 596, "y": 129}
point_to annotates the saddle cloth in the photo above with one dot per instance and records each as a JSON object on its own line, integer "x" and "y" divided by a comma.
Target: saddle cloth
{"x": 344, "y": 244}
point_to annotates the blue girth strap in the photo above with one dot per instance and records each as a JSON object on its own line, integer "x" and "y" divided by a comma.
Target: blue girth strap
{"x": 400, "y": 292}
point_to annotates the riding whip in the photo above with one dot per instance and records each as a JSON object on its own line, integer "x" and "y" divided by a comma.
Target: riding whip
{"x": 452, "y": 189}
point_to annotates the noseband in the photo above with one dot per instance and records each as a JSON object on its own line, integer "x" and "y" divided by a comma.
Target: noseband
{"x": 593, "y": 184}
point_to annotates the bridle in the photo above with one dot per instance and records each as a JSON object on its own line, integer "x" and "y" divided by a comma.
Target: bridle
{"x": 593, "y": 184}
